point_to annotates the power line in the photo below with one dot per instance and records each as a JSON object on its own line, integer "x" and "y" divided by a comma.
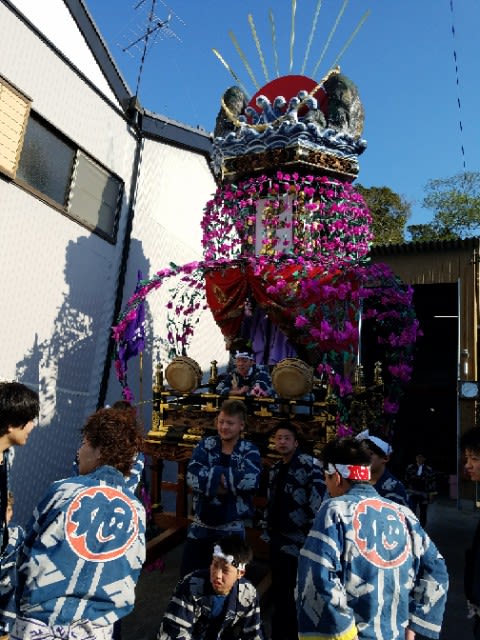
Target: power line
{"x": 458, "y": 87}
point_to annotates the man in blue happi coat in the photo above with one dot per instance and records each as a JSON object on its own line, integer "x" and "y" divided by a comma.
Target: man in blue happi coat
{"x": 223, "y": 474}
{"x": 247, "y": 378}
{"x": 382, "y": 478}
{"x": 85, "y": 544}
{"x": 367, "y": 571}
{"x": 19, "y": 409}
{"x": 295, "y": 490}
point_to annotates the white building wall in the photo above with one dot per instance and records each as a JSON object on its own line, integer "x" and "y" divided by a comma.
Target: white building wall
{"x": 174, "y": 186}
{"x": 62, "y": 97}
{"x": 58, "y": 279}
{"x": 53, "y": 19}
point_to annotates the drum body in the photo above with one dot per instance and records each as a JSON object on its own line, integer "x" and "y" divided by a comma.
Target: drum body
{"x": 292, "y": 378}
{"x": 183, "y": 374}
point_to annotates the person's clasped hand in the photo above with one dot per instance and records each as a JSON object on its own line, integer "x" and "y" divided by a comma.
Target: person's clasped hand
{"x": 258, "y": 391}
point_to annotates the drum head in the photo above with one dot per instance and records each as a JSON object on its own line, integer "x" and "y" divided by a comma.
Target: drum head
{"x": 292, "y": 378}
{"x": 183, "y": 374}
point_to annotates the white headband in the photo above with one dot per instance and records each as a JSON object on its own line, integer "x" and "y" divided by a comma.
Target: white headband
{"x": 244, "y": 354}
{"x": 218, "y": 553}
{"x": 378, "y": 442}
{"x": 349, "y": 471}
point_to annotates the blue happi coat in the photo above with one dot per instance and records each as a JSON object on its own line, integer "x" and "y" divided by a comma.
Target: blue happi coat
{"x": 6, "y": 467}
{"x": 83, "y": 551}
{"x": 300, "y": 500}
{"x": 227, "y": 513}
{"x": 189, "y": 613}
{"x": 8, "y": 578}
{"x": 392, "y": 488}
{"x": 257, "y": 376}
{"x": 369, "y": 569}
{"x": 136, "y": 472}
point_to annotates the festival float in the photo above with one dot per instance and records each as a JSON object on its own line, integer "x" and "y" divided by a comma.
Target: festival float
{"x": 286, "y": 267}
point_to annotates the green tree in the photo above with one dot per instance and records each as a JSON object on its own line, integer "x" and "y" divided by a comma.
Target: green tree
{"x": 389, "y": 211}
{"x": 455, "y": 203}
{"x": 425, "y": 233}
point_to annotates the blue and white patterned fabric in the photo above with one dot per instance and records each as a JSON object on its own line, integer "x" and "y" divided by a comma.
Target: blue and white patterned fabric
{"x": 5, "y": 472}
{"x": 190, "y": 613}
{"x": 258, "y": 376}
{"x": 8, "y": 578}
{"x": 226, "y": 513}
{"x": 81, "y": 630}
{"x": 83, "y": 551}
{"x": 300, "y": 500}
{"x": 388, "y": 486}
{"x": 369, "y": 569}
{"x": 135, "y": 477}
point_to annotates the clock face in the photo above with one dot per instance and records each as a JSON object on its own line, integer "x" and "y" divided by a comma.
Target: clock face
{"x": 469, "y": 389}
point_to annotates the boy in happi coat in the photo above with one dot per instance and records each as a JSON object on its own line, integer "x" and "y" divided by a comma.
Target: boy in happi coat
{"x": 216, "y": 603}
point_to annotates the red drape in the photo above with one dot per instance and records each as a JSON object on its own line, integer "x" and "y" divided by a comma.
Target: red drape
{"x": 227, "y": 290}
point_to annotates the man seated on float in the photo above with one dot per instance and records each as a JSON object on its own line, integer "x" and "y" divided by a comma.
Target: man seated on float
{"x": 247, "y": 378}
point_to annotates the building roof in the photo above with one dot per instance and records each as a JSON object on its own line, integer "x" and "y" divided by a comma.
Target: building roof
{"x": 428, "y": 246}
{"x": 149, "y": 124}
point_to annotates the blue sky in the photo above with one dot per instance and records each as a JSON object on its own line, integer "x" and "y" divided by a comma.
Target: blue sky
{"x": 402, "y": 60}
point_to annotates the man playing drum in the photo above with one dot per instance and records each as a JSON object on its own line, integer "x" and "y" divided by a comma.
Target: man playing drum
{"x": 247, "y": 378}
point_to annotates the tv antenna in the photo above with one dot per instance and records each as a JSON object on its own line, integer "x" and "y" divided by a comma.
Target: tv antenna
{"x": 150, "y": 32}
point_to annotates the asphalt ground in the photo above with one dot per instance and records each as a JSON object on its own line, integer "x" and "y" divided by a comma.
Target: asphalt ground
{"x": 450, "y": 527}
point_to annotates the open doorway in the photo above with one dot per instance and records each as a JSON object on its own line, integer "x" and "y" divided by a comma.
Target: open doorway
{"x": 428, "y": 412}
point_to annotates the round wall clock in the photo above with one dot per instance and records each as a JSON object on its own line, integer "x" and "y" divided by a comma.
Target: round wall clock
{"x": 468, "y": 389}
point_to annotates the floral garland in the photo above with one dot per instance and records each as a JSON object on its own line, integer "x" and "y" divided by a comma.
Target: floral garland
{"x": 305, "y": 217}
{"x": 175, "y": 335}
{"x": 320, "y": 228}
{"x": 187, "y": 301}
{"x": 386, "y": 304}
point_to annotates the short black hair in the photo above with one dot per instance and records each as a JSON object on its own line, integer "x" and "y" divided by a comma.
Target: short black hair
{"x": 345, "y": 451}
{"x": 374, "y": 448}
{"x": 288, "y": 426}
{"x": 470, "y": 439}
{"x": 18, "y": 405}
{"x": 236, "y": 546}
{"x": 241, "y": 345}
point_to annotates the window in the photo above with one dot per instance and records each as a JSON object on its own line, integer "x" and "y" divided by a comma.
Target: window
{"x": 14, "y": 110}
{"x": 95, "y": 195}
{"x": 46, "y": 162}
{"x": 66, "y": 177}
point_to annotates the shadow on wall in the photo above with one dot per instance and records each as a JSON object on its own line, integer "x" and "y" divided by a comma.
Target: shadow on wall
{"x": 68, "y": 367}
{"x": 140, "y": 378}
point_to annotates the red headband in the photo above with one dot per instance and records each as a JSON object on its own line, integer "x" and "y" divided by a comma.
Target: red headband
{"x": 349, "y": 471}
